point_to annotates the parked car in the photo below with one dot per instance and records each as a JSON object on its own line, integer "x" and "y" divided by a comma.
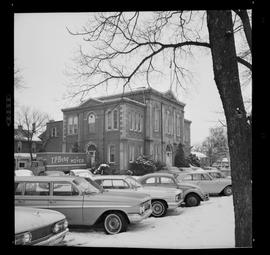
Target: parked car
{"x": 24, "y": 172}
{"x": 51, "y": 173}
{"x": 81, "y": 173}
{"x": 34, "y": 226}
{"x": 192, "y": 194}
{"x": 207, "y": 183}
{"x": 83, "y": 202}
{"x": 162, "y": 199}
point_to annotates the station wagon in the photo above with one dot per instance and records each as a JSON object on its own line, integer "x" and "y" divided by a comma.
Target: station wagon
{"x": 83, "y": 202}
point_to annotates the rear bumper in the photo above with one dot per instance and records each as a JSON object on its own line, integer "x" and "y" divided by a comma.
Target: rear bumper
{"x": 135, "y": 217}
{"x": 54, "y": 239}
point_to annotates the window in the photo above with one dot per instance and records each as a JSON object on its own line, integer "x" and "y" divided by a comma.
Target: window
{"x": 72, "y": 125}
{"x": 167, "y": 122}
{"x": 133, "y": 121}
{"x": 130, "y": 120}
{"x": 18, "y": 188}
{"x": 141, "y": 123}
{"x": 112, "y": 120}
{"x": 137, "y": 122}
{"x": 131, "y": 153}
{"x": 166, "y": 180}
{"x": 187, "y": 177}
{"x": 205, "y": 177}
{"x": 112, "y": 154}
{"x": 196, "y": 177}
{"x": 151, "y": 180}
{"x": 37, "y": 189}
{"x": 107, "y": 184}
{"x": 156, "y": 119}
{"x": 120, "y": 184}
{"x": 64, "y": 189}
{"x": 91, "y": 123}
{"x": 115, "y": 119}
{"x": 178, "y": 125}
{"x": 21, "y": 164}
{"x": 19, "y": 146}
{"x": 54, "y": 132}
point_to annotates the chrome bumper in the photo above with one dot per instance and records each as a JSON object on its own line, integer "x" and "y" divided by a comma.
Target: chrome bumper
{"x": 135, "y": 217}
{"x": 54, "y": 240}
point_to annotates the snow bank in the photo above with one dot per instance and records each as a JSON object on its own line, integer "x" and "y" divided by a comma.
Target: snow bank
{"x": 210, "y": 225}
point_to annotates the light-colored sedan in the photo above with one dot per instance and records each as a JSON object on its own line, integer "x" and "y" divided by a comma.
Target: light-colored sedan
{"x": 35, "y": 226}
{"x": 216, "y": 174}
{"x": 192, "y": 194}
{"x": 83, "y": 202}
{"x": 207, "y": 183}
{"x": 162, "y": 198}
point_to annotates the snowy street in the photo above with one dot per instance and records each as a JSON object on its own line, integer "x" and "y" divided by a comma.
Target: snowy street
{"x": 210, "y": 225}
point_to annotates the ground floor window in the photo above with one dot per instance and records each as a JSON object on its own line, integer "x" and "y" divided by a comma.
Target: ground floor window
{"x": 112, "y": 153}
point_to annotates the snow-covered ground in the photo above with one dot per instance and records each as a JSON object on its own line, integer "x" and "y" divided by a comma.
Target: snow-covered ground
{"x": 210, "y": 225}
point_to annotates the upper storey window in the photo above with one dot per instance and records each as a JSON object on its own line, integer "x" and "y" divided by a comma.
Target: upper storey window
{"x": 72, "y": 125}
{"x": 156, "y": 119}
{"x": 91, "y": 123}
{"x": 112, "y": 120}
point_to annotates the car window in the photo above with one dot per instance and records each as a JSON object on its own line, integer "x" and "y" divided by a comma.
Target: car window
{"x": 196, "y": 177}
{"x": 150, "y": 180}
{"x": 37, "y": 189}
{"x": 133, "y": 182}
{"x": 107, "y": 184}
{"x": 205, "y": 177}
{"x": 18, "y": 188}
{"x": 166, "y": 180}
{"x": 120, "y": 184}
{"x": 188, "y": 177}
{"x": 64, "y": 189}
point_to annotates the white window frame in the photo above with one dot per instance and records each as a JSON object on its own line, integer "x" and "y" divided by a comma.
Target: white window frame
{"x": 131, "y": 149}
{"x": 72, "y": 123}
{"x": 110, "y": 120}
{"x": 156, "y": 119}
{"x": 92, "y": 123}
{"x": 54, "y": 132}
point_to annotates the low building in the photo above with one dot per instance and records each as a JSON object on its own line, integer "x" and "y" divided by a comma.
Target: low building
{"x": 116, "y": 129}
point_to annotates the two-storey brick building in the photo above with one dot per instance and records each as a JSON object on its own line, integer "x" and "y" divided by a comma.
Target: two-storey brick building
{"x": 118, "y": 128}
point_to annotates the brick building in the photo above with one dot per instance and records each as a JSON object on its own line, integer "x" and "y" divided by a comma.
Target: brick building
{"x": 118, "y": 128}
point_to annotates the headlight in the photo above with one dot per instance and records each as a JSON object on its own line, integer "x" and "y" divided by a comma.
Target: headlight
{"x": 23, "y": 239}
{"x": 142, "y": 209}
{"x": 65, "y": 224}
{"x": 56, "y": 228}
{"x": 59, "y": 226}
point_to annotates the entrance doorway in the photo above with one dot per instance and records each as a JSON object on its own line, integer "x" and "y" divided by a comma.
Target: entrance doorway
{"x": 91, "y": 154}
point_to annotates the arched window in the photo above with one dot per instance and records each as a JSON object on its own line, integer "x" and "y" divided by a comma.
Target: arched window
{"x": 91, "y": 123}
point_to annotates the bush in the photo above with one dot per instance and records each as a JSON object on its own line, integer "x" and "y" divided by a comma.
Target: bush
{"x": 180, "y": 160}
{"x": 142, "y": 165}
{"x": 159, "y": 165}
{"x": 193, "y": 160}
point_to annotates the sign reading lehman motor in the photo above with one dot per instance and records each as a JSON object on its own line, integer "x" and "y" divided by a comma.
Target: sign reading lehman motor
{"x": 66, "y": 160}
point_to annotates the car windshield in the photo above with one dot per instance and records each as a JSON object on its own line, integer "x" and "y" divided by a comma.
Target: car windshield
{"x": 89, "y": 186}
{"x": 133, "y": 182}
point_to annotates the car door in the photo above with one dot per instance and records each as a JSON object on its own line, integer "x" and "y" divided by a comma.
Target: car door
{"x": 207, "y": 183}
{"x": 35, "y": 194}
{"x": 66, "y": 198}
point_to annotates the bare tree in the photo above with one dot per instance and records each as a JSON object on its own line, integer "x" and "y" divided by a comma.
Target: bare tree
{"x": 33, "y": 123}
{"x": 126, "y": 46}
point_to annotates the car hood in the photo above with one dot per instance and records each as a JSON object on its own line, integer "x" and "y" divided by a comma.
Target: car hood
{"x": 126, "y": 196}
{"x": 28, "y": 218}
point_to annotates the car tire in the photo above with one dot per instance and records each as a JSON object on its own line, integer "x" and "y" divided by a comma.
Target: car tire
{"x": 159, "y": 208}
{"x": 227, "y": 191}
{"x": 192, "y": 200}
{"x": 114, "y": 223}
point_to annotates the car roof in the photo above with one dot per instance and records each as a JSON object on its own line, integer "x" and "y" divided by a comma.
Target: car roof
{"x": 157, "y": 174}
{"x": 111, "y": 177}
{"x": 45, "y": 178}
{"x": 199, "y": 171}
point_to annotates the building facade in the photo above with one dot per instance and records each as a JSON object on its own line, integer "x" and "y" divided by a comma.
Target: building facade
{"x": 117, "y": 129}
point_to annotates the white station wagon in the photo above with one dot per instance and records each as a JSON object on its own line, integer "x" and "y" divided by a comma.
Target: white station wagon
{"x": 207, "y": 183}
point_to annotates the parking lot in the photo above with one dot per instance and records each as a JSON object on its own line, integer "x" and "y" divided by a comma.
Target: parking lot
{"x": 210, "y": 225}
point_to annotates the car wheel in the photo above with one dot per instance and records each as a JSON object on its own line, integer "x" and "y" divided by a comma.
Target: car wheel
{"x": 159, "y": 208}
{"x": 114, "y": 223}
{"x": 227, "y": 191}
{"x": 192, "y": 200}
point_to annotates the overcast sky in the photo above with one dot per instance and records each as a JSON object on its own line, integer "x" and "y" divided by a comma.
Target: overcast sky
{"x": 43, "y": 48}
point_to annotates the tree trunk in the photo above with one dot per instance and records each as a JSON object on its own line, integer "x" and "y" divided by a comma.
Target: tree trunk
{"x": 226, "y": 76}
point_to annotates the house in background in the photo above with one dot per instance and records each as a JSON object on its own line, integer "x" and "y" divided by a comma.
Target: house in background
{"x": 116, "y": 129}
{"x": 22, "y": 147}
